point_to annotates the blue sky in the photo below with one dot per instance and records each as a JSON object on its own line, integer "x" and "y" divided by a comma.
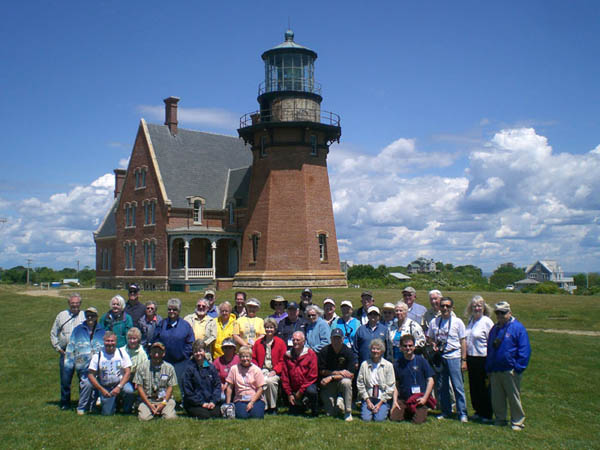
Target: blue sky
{"x": 469, "y": 129}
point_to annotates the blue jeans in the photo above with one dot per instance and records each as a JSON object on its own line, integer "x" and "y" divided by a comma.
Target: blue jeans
{"x": 87, "y": 393}
{"x": 109, "y": 404}
{"x": 367, "y": 415}
{"x": 451, "y": 370}
{"x": 179, "y": 370}
{"x": 257, "y": 411}
{"x": 66, "y": 377}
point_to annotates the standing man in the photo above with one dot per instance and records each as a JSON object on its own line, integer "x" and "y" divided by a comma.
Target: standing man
{"x": 133, "y": 307}
{"x": 64, "y": 324}
{"x": 199, "y": 320}
{"x": 109, "y": 373}
{"x": 299, "y": 376}
{"x": 507, "y": 358}
{"x": 447, "y": 334}
{"x": 305, "y": 301}
{"x": 86, "y": 341}
{"x": 209, "y": 295}
{"x": 292, "y": 323}
{"x": 367, "y": 300}
{"x": 434, "y": 300}
{"x": 374, "y": 329}
{"x": 336, "y": 367}
{"x": 415, "y": 311}
{"x": 155, "y": 380}
{"x": 329, "y": 314}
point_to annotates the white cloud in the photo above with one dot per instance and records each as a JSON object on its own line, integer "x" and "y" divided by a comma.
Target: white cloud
{"x": 57, "y": 229}
{"x": 208, "y": 117}
{"x": 518, "y": 201}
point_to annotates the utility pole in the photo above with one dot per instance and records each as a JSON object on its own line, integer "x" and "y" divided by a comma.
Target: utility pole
{"x": 28, "y": 264}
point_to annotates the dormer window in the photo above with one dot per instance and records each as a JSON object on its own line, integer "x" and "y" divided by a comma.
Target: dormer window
{"x": 197, "y": 205}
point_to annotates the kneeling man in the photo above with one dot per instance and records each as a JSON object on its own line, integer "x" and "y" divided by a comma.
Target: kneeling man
{"x": 109, "y": 373}
{"x": 299, "y": 376}
{"x": 414, "y": 382}
{"x": 155, "y": 380}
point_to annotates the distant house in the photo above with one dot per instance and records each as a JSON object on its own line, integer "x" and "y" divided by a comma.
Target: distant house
{"x": 422, "y": 265}
{"x": 548, "y": 270}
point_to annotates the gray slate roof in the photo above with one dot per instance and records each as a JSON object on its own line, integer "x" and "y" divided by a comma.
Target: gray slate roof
{"x": 193, "y": 163}
{"x": 108, "y": 227}
{"x": 239, "y": 184}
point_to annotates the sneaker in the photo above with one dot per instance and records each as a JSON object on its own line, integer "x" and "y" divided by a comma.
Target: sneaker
{"x": 517, "y": 428}
{"x": 348, "y": 417}
{"x": 339, "y": 403}
{"x": 80, "y": 412}
{"x": 464, "y": 419}
{"x": 441, "y": 417}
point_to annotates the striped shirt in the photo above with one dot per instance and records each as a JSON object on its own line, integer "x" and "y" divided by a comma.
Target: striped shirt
{"x": 63, "y": 327}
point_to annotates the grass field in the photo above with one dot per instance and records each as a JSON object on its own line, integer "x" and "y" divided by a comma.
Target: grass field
{"x": 557, "y": 386}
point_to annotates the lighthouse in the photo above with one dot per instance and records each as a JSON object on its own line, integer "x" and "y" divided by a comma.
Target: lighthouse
{"x": 289, "y": 239}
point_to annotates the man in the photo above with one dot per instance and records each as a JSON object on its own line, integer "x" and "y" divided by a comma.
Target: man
{"x": 348, "y": 324}
{"x": 85, "y": 342}
{"x": 134, "y": 307}
{"x": 305, "y": 300}
{"x": 155, "y": 380}
{"x": 209, "y": 295}
{"x": 374, "y": 329}
{"x": 148, "y": 324}
{"x": 415, "y": 311}
{"x": 109, "y": 372}
{"x": 198, "y": 321}
{"x": 329, "y": 314}
{"x": 337, "y": 363}
{"x": 239, "y": 308}
{"x": 507, "y": 358}
{"x": 447, "y": 335}
{"x": 292, "y": 323}
{"x": 367, "y": 300}
{"x": 403, "y": 325}
{"x": 299, "y": 376}
{"x": 60, "y": 333}
{"x": 414, "y": 383}
{"x": 434, "y": 300}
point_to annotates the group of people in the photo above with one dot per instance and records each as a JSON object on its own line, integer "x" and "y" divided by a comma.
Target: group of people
{"x": 397, "y": 362}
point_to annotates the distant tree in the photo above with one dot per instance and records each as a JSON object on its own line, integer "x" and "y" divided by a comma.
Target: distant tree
{"x": 439, "y": 266}
{"x": 382, "y": 271}
{"x": 506, "y": 274}
{"x": 587, "y": 283}
{"x": 359, "y": 271}
{"x": 448, "y": 267}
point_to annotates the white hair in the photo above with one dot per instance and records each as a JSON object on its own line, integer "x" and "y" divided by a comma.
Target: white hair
{"x": 435, "y": 292}
{"x": 120, "y": 299}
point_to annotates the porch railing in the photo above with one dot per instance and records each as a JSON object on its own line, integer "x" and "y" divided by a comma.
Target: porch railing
{"x": 192, "y": 273}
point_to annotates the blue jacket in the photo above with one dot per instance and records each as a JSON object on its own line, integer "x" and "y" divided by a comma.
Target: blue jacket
{"x": 363, "y": 337}
{"x": 349, "y": 329}
{"x": 318, "y": 334}
{"x": 177, "y": 339}
{"x": 513, "y": 351}
{"x": 82, "y": 346}
{"x": 201, "y": 384}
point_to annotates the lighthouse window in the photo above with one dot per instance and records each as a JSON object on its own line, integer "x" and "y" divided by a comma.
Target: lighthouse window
{"x": 263, "y": 146}
{"x": 313, "y": 145}
{"x": 323, "y": 247}
{"x": 255, "y": 238}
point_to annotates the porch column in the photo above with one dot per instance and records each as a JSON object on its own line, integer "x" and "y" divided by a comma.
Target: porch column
{"x": 186, "y": 246}
{"x": 213, "y": 246}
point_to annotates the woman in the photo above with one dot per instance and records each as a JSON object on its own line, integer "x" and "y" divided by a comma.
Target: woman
{"x": 477, "y": 332}
{"x": 201, "y": 385}
{"x": 117, "y": 320}
{"x": 318, "y": 333}
{"x": 222, "y": 328}
{"x": 376, "y": 383}
{"x": 347, "y": 323}
{"x": 240, "y": 305}
{"x": 388, "y": 312}
{"x": 249, "y": 328}
{"x": 248, "y": 382}
{"x": 267, "y": 354}
{"x": 279, "y": 304}
{"x": 224, "y": 363}
{"x": 403, "y": 325}
{"x": 329, "y": 314}
{"x": 138, "y": 355}
{"x": 148, "y": 323}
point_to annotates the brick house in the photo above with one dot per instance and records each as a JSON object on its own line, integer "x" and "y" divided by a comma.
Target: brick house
{"x": 195, "y": 209}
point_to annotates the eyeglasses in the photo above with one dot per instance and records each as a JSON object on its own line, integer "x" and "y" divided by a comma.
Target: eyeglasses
{"x": 407, "y": 345}
{"x": 201, "y": 306}
{"x": 312, "y": 315}
{"x": 446, "y": 306}
{"x": 150, "y": 308}
{"x": 172, "y": 309}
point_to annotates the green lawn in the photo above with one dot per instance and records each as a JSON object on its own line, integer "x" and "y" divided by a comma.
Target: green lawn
{"x": 561, "y": 411}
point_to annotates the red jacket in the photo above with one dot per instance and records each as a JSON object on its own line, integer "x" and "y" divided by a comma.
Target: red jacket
{"x": 278, "y": 349}
{"x": 299, "y": 373}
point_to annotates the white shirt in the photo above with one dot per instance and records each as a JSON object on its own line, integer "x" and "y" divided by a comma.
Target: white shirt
{"x": 110, "y": 367}
{"x": 450, "y": 331}
{"x": 477, "y": 336}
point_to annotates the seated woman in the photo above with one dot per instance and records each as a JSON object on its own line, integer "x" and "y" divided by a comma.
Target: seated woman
{"x": 249, "y": 329}
{"x": 248, "y": 381}
{"x": 117, "y": 320}
{"x": 376, "y": 383}
{"x": 267, "y": 354}
{"x": 225, "y": 362}
{"x": 138, "y": 355}
{"x": 201, "y": 385}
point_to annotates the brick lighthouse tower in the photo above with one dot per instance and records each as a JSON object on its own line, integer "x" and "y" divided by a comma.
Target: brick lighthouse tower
{"x": 289, "y": 239}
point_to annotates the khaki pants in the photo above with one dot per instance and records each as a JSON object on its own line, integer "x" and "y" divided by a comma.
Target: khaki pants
{"x": 330, "y": 393}
{"x": 506, "y": 386}
{"x": 271, "y": 391}
{"x": 168, "y": 412}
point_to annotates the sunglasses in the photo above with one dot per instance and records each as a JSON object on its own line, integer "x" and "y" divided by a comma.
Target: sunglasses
{"x": 446, "y": 306}
{"x": 172, "y": 309}
{"x": 150, "y": 308}
{"x": 501, "y": 313}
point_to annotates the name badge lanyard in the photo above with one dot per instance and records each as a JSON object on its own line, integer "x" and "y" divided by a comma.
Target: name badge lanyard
{"x": 439, "y": 332}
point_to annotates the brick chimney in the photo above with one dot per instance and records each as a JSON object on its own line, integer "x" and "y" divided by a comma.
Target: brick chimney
{"x": 119, "y": 180}
{"x": 171, "y": 114}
